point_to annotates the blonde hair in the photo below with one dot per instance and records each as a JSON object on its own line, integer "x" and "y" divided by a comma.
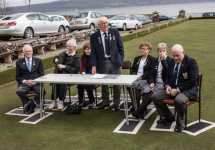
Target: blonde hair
{"x": 162, "y": 45}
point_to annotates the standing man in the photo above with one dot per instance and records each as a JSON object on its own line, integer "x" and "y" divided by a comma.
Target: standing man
{"x": 28, "y": 69}
{"x": 107, "y": 58}
{"x": 181, "y": 85}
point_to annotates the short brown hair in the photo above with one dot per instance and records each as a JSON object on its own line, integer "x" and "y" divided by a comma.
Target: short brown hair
{"x": 86, "y": 45}
{"x": 147, "y": 44}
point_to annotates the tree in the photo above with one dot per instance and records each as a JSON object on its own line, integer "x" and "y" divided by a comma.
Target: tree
{"x": 3, "y": 7}
{"x": 29, "y": 4}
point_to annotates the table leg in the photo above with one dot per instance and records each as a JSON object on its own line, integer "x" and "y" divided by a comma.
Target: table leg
{"x": 133, "y": 95}
{"x": 126, "y": 104}
{"x": 41, "y": 101}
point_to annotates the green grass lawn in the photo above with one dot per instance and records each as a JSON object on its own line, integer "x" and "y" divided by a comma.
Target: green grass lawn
{"x": 92, "y": 130}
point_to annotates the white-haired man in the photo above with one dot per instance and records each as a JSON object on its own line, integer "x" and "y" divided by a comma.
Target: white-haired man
{"x": 107, "y": 57}
{"x": 181, "y": 85}
{"x": 68, "y": 62}
{"x": 28, "y": 69}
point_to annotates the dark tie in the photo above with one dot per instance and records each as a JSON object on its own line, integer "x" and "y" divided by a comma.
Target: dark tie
{"x": 175, "y": 73}
{"x": 107, "y": 47}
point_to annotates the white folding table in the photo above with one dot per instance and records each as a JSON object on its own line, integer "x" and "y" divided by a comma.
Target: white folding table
{"x": 98, "y": 79}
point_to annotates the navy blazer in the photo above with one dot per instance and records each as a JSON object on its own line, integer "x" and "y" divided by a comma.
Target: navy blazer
{"x": 148, "y": 68}
{"x": 187, "y": 78}
{"x": 22, "y": 72}
{"x": 116, "y": 49}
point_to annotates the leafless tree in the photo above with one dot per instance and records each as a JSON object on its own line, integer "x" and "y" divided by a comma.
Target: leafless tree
{"x": 3, "y": 7}
{"x": 28, "y": 2}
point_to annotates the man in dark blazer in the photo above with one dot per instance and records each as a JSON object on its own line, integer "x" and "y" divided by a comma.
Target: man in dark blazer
{"x": 107, "y": 57}
{"x": 28, "y": 69}
{"x": 181, "y": 85}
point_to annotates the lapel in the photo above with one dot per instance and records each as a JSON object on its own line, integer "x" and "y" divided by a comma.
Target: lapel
{"x": 111, "y": 38}
{"x": 99, "y": 39}
{"x": 138, "y": 61}
{"x": 183, "y": 67}
{"x": 33, "y": 64}
{"x": 23, "y": 64}
{"x": 147, "y": 61}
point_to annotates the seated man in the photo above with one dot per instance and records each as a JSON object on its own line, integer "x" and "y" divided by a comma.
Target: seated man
{"x": 159, "y": 75}
{"x": 181, "y": 85}
{"x": 143, "y": 65}
{"x": 68, "y": 62}
{"x": 27, "y": 69}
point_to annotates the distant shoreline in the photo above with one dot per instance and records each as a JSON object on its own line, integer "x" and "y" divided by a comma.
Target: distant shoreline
{"x": 167, "y": 9}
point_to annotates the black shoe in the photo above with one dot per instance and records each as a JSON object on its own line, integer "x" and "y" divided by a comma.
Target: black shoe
{"x": 132, "y": 109}
{"x": 103, "y": 106}
{"x": 138, "y": 115}
{"x": 29, "y": 107}
{"x": 114, "y": 108}
{"x": 170, "y": 119}
{"x": 26, "y": 107}
{"x": 178, "y": 129}
{"x": 165, "y": 120}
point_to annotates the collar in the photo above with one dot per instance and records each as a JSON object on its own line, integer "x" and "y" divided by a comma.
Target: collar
{"x": 102, "y": 33}
{"x": 26, "y": 59}
{"x": 71, "y": 54}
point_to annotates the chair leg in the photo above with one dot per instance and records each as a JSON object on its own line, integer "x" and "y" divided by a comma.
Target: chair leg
{"x": 185, "y": 118}
{"x": 199, "y": 111}
{"x": 96, "y": 97}
{"x": 70, "y": 99}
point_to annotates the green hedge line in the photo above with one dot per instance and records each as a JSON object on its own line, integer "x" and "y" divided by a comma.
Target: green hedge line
{"x": 154, "y": 29}
{"x": 9, "y": 75}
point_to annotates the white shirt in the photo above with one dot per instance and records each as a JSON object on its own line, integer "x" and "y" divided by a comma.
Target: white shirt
{"x": 103, "y": 42}
{"x": 141, "y": 66}
{"x": 159, "y": 73}
{"x": 71, "y": 54}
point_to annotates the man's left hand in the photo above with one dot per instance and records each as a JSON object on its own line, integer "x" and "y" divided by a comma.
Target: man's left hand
{"x": 174, "y": 92}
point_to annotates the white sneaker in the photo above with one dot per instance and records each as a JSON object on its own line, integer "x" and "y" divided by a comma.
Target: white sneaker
{"x": 52, "y": 105}
{"x": 60, "y": 105}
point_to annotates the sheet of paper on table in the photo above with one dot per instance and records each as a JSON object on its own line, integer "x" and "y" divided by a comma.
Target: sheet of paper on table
{"x": 98, "y": 76}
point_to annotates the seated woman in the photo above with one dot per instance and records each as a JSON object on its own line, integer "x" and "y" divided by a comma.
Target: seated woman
{"x": 143, "y": 65}
{"x": 85, "y": 68}
{"x": 159, "y": 75}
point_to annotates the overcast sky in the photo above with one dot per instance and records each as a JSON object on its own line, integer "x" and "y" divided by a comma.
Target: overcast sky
{"x": 24, "y": 2}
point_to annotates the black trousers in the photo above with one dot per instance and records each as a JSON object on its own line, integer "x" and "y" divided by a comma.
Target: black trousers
{"x": 109, "y": 68}
{"x": 89, "y": 89}
{"x": 24, "y": 89}
{"x": 61, "y": 90}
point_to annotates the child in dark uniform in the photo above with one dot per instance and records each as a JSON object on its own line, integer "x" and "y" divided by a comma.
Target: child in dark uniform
{"x": 85, "y": 68}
